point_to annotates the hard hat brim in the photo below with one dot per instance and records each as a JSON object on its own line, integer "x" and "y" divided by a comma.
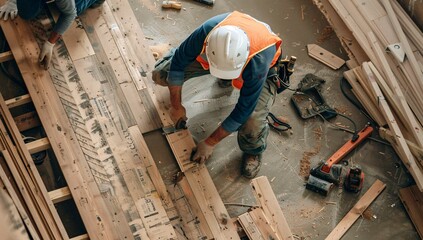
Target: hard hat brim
{"x": 225, "y": 74}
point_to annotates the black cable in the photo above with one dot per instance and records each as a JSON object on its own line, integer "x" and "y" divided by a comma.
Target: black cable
{"x": 356, "y": 104}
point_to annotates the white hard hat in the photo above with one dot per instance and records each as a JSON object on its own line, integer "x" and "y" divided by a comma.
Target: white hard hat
{"x": 227, "y": 51}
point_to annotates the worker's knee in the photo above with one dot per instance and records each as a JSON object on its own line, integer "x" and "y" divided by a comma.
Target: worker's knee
{"x": 253, "y": 140}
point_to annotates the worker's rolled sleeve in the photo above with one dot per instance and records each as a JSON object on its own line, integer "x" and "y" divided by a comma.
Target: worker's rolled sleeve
{"x": 68, "y": 13}
{"x": 189, "y": 49}
{"x": 254, "y": 75}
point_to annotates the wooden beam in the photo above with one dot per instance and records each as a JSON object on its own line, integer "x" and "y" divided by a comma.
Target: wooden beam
{"x": 404, "y": 41}
{"x": 357, "y": 210}
{"x": 60, "y": 195}
{"x": 38, "y": 145}
{"x": 27, "y": 121}
{"x": 405, "y": 153}
{"x": 18, "y": 101}
{"x": 412, "y": 199}
{"x": 81, "y": 237}
{"x": 270, "y": 205}
{"x": 416, "y": 150}
{"x": 324, "y": 56}
{"x": 22, "y": 212}
{"x": 250, "y": 227}
{"x": 6, "y": 56}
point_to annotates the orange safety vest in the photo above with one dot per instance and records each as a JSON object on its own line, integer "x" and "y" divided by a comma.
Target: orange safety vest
{"x": 259, "y": 35}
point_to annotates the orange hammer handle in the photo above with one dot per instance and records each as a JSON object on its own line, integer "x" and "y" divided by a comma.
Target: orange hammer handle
{"x": 347, "y": 148}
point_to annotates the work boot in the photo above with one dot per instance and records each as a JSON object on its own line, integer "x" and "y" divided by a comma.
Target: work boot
{"x": 224, "y": 83}
{"x": 250, "y": 165}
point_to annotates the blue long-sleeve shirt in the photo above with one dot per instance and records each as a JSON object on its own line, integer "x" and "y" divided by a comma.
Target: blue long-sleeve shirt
{"x": 254, "y": 74}
{"x": 69, "y": 9}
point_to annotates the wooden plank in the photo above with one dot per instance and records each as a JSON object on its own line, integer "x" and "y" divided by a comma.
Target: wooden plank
{"x": 415, "y": 150}
{"x": 380, "y": 25}
{"x": 137, "y": 106}
{"x": 411, "y": 29}
{"x": 38, "y": 145}
{"x": 202, "y": 187}
{"x": 270, "y": 205}
{"x": 150, "y": 165}
{"x": 155, "y": 95}
{"x": 27, "y": 121}
{"x": 26, "y": 194}
{"x": 18, "y": 101}
{"x": 210, "y": 203}
{"x": 60, "y": 195}
{"x": 404, "y": 41}
{"x": 182, "y": 144}
{"x": 357, "y": 210}
{"x": 366, "y": 100}
{"x": 324, "y": 56}
{"x": 10, "y": 221}
{"x": 262, "y": 223}
{"x": 6, "y": 56}
{"x": 22, "y": 212}
{"x": 412, "y": 199}
{"x": 405, "y": 153}
{"x": 250, "y": 227}
{"x": 25, "y": 163}
{"x": 77, "y": 173}
{"x": 126, "y": 51}
{"x": 198, "y": 215}
{"x": 347, "y": 39}
{"x": 81, "y": 237}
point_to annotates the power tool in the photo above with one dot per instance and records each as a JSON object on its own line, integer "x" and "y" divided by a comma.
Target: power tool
{"x": 323, "y": 177}
{"x": 354, "y": 179}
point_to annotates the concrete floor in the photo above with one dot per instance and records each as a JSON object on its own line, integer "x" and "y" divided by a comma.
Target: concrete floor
{"x": 309, "y": 215}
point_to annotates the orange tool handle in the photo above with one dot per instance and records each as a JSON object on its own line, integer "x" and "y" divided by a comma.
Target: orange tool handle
{"x": 347, "y": 148}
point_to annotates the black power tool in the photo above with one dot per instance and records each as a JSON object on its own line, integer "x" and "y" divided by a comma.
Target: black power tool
{"x": 354, "y": 179}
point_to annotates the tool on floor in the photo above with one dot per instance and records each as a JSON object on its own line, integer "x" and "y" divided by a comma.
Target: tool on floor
{"x": 208, "y": 2}
{"x": 172, "y": 4}
{"x": 354, "y": 179}
{"x": 277, "y": 124}
{"x": 308, "y": 100}
{"x": 323, "y": 177}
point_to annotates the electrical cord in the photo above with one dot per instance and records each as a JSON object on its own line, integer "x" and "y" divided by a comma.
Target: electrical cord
{"x": 356, "y": 104}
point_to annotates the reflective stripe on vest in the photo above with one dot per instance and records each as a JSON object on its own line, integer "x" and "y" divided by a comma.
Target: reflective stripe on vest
{"x": 259, "y": 35}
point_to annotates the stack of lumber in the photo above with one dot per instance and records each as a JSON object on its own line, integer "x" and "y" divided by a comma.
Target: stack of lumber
{"x": 266, "y": 221}
{"x": 388, "y": 86}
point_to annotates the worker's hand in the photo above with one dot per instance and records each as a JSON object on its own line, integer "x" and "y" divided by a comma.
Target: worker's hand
{"x": 202, "y": 152}
{"x": 9, "y": 9}
{"x": 178, "y": 113}
{"x": 46, "y": 54}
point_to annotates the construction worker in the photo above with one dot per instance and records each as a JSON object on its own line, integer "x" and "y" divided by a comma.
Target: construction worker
{"x": 237, "y": 48}
{"x": 29, "y": 9}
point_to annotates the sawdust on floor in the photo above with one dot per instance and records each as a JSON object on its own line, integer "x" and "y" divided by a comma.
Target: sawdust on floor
{"x": 307, "y": 155}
